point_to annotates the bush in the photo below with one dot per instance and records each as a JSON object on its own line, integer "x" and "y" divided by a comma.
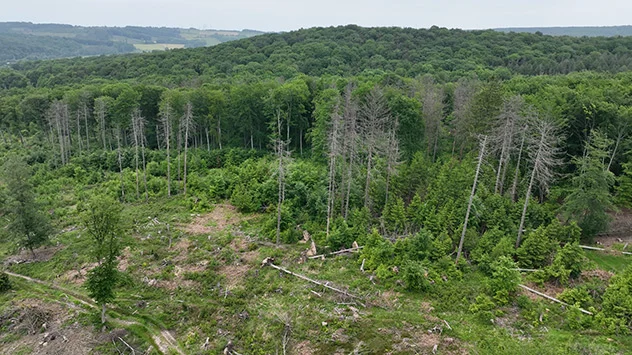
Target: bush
{"x": 5, "y": 284}
{"x": 536, "y": 250}
{"x": 505, "y": 279}
{"x": 617, "y": 303}
{"x": 416, "y": 276}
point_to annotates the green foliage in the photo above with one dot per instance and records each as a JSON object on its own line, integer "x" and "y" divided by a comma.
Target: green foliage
{"x": 415, "y": 274}
{"x": 504, "y": 279}
{"x": 243, "y": 198}
{"x": 102, "y": 220}
{"x": 30, "y": 226}
{"x": 590, "y": 198}
{"x": 536, "y": 250}
{"x": 5, "y": 284}
{"x": 377, "y": 251}
{"x": 101, "y": 282}
{"x": 616, "y": 313}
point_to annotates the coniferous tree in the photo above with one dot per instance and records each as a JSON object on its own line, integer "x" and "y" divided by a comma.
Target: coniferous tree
{"x": 29, "y": 225}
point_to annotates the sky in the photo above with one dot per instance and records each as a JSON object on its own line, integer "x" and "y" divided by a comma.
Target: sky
{"x": 286, "y": 15}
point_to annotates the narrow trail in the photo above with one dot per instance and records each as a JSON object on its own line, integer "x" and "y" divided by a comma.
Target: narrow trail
{"x": 161, "y": 337}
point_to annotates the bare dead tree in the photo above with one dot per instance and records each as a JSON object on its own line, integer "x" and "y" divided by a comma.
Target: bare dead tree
{"x": 334, "y": 142}
{"x": 393, "y": 156}
{"x": 374, "y": 117}
{"x": 543, "y": 155}
{"x": 463, "y": 97}
{"x": 78, "y": 122}
{"x": 481, "y": 155}
{"x": 514, "y": 185}
{"x": 432, "y": 111}
{"x": 188, "y": 124}
{"x": 100, "y": 111}
{"x": 622, "y": 132}
{"x": 120, "y": 160}
{"x": 280, "y": 147}
{"x": 138, "y": 129}
{"x": 166, "y": 114}
{"x": 350, "y": 145}
{"x": 58, "y": 119}
{"x": 503, "y": 134}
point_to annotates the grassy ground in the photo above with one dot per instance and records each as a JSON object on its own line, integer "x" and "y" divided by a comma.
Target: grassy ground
{"x": 202, "y": 281}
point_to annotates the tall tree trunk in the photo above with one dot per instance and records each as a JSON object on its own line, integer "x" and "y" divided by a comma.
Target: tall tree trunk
{"x": 481, "y": 154}
{"x": 188, "y": 122}
{"x": 103, "y": 313}
{"x": 79, "y": 132}
{"x": 524, "y": 208}
{"x": 280, "y": 153}
{"x": 120, "y": 161}
{"x": 367, "y": 185}
{"x": 514, "y": 186}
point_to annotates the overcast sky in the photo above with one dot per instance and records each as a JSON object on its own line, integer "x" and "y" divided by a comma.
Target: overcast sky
{"x": 284, "y": 15}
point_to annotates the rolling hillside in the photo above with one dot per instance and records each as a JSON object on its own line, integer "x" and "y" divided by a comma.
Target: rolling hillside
{"x": 25, "y": 40}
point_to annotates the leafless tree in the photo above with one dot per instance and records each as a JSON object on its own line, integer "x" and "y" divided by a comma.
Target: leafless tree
{"x": 58, "y": 120}
{"x": 503, "y": 137}
{"x": 117, "y": 133}
{"x": 349, "y": 146}
{"x": 100, "y": 111}
{"x": 334, "y": 143}
{"x": 393, "y": 156}
{"x": 622, "y": 132}
{"x": 374, "y": 114}
{"x": 463, "y": 98}
{"x": 543, "y": 155}
{"x": 280, "y": 148}
{"x": 187, "y": 126}
{"x": 166, "y": 114}
{"x": 432, "y": 110}
{"x": 138, "y": 129}
{"x": 481, "y": 155}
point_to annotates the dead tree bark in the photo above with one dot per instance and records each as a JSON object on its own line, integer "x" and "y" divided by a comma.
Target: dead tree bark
{"x": 120, "y": 161}
{"x": 280, "y": 147}
{"x": 334, "y": 151}
{"x": 375, "y": 115}
{"x": 100, "y": 109}
{"x": 188, "y": 125}
{"x": 165, "y": 118}
{"x": 481, "y": 154}
{"x": 350, "y": 116}
{"x": 544, "y": 158}
{"x": 514, "y": 186}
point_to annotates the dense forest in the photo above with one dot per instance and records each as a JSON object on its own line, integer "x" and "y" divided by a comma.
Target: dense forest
{"x": 28, "y": 41}
{"x": 460, "y": 166}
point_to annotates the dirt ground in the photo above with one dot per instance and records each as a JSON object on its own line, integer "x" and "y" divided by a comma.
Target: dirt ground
{"x": 222, "y": 217}
{"x": 43, "y": 328}
{"x": 43, "y": 253}
{"x": 620, "y": 230}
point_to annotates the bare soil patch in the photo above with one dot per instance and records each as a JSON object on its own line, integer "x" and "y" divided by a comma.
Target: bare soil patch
{"x": 43, "y": 253}
{"x": 222, "y": 217}
{"x": 620, "y": 229}
{"x": 43, "y": 331}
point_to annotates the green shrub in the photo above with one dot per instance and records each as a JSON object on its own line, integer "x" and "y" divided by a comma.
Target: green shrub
{"x": 504, "y": 280}
{"x": 416, "y": 276}
{"x": 617, "y": 303}
{"x": 536, "y": 250}
{"x": 5, "y": 284}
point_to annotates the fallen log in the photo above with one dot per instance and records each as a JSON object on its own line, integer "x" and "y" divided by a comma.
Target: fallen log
{"x": 269, "y": 262}
{"x": 552, "y": 298}
{"x": 601, "y": 249}
{"x": 350, "y": 250}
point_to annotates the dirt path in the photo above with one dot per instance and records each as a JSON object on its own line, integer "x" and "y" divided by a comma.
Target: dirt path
{"x": 163, "y": 339}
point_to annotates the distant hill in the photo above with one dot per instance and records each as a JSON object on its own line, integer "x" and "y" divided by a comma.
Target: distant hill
{"x": 588, "y": 31}
{"x": 25, "y": 40}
